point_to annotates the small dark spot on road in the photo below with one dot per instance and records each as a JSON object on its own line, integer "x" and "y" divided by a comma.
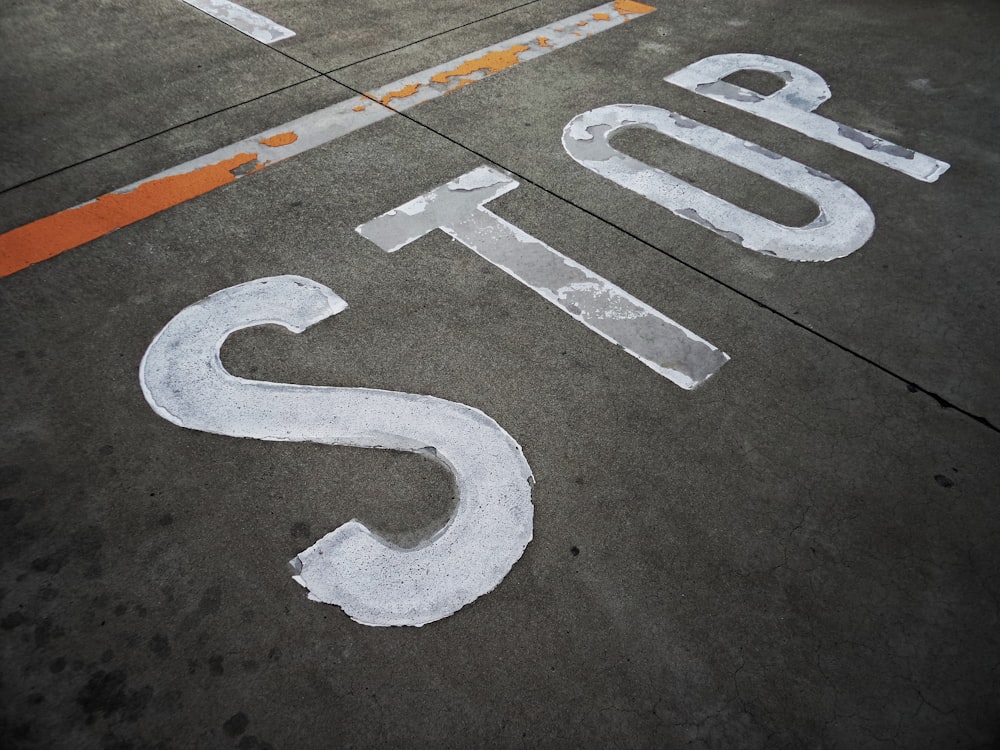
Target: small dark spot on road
{"x": 46, "y": 631}
{"x": 171, "y": 701}
{"x": 50, "y": 564}
{"x": 57, "y": 665}
{"x": 107, "y": 693}
{"x": 250, "y": 665}
{"x": 107, "y": 656}
{"x": 12, "y": 620}
{"x": 944, "y": 481}
{"x": 574, "y": 551}
{"x": 106, "y": 450}
{"x": 252, "y": 742}
{"x": 121, "y": 609}
{"x": 215, "y": 665}
{"x": 35, "y": 698}
{"x": 166, "y": 519}
{"x": 274, "y": 654}
{"x": 48, "y": 593}
{"x": 300, "y": 530}
{"x": 911, "y": 388}
{"x": 159, "y": 644}
{"x": 10, "y": 475}
{"x": 236, "y": 724}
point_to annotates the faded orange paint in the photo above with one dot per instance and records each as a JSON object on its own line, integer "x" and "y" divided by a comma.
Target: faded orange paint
{"x": 543, "y": 41}
{"x": 55, "y": 234}
{"x": 282, "y": 139}
{"x": 602, "y": 17}
{"x": 402, "y": 93}
{"x": 582, "y": 23}
{"x": 632, "y": 8}
{"x": 360, "y": 108}
{"x": 462, "y": 83}
{"x": 491, "y": 62}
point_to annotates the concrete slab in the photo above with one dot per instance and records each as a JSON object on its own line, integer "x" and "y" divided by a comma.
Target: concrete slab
{"x": 918, "y": 299}
{"x": 801, "y": 552}
{"x": 84, "y": 78}
{"x": 331, "y": 35}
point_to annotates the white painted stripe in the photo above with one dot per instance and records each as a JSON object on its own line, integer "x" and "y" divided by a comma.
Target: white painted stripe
{"x": 375, "y": 583}
{"x": 844, "y": 223}
{"x": 330, "y": 123}
{"x": 72, "y": 227}
{"x": 457, "y": 208}
{"x": 793, "y": 105}
{"x": 252, "y": 24}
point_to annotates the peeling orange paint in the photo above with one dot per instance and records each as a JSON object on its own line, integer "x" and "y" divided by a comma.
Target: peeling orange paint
{"x": 582, "y": 23}
{"x": 491, "y": 62}
{"x": 461, "y": 84}
{"x": 602, "y": 17}
{"x": 55, "y": 234}
{"x": 360, "y": 108}
{"x": 632, "y": 8}
{"x": 402, "y": 93}
{"x": 543, "y": 41}
{"x": 282, "y": 139}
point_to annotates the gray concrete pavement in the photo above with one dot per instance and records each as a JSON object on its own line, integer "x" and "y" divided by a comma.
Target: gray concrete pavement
{"x": 801, "y": 552}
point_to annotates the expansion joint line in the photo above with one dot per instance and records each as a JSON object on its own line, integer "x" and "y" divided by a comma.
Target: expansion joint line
{"x": 911, "y": 386}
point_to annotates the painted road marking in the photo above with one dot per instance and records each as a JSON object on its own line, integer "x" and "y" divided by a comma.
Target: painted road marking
{"x": 845, "y": 221}
{"x": 70, "y": 228}
{"x": 458, "y": 208}
{"x": 243, "y": 19}
{"x": 374, "y": 582}
{"x": 793, "y": 105}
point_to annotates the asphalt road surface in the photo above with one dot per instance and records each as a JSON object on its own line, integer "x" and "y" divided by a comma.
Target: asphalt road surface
{"x": 590, "y": 408}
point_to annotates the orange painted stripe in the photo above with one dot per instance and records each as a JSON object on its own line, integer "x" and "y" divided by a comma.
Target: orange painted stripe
{"x": 400, "y": 94}
{"x": 50, "y": 236}
{"x": 491, "y": 62}
{"x": 281, "y": 139}
{"x": 632, "y": 8}
{"x": 55, "y": 234}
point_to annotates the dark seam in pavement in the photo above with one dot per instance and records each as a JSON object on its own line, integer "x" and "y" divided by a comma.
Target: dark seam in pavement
{"x": 317, "y": 74}
{"x": 433, "y": 36}
{"x": 911, "y": 386}
{"x": 159, "y": 133}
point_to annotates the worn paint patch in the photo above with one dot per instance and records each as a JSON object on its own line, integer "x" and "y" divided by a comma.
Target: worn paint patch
{"x": 336, "y": 120}
{"x": 462, "y": 84}
{"x": 844, "y": 223}
{"x": 408, "y": 90}
{"x": 374, "y": 582}
{"x": 490, "y": 63}
{"x": 242, "y": 19}
{"x": 602, "y": 17}
{"x": 632, "y": 8}
{"x": 792, "y": 106}
{"x": 458, "y": 209}
{"x": 281, "y": 139}
{"x": 47, "y": 237}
